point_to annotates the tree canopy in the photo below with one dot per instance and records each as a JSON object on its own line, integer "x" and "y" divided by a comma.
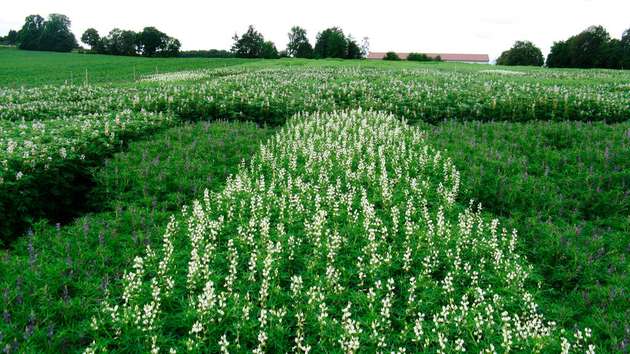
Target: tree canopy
{"x": 299, "y": 46}
{"x": 150, "y": 42}
{"x": 391, "y": 56}
{"x": 51, "y": 35}
{"x": 522, "y": 53}
{"x": 91, "y": 38}
{"x": 249, "y": 45}
{"x": 56, "y": 35}
{"x": 10, "y": 38}
{"x": 31, "y": 33}
{"x": 252, "y": 44}
{"x": 591, "y": 48}
{"x": 353, "y": 51}
{"x": 269, "y": 50}
{"x": 331, "y": 43}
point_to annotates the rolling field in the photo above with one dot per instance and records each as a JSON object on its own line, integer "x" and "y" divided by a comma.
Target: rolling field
{"x": 302, "y": 205}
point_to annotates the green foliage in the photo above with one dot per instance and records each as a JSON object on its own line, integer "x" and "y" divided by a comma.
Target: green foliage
{"x": 391, "y": 56}
{"x": 10, "y": 39}
{"x": 52, "y": 281}
{"x": 522, "y": 53}
{"x": 31, "y": 33}
{"x": 56, "y": 36}
{"x": 152, "y": 42}
{"x": 46, "y": 175}
{"x": 592, "y": 48}
{"x": 341, "y": 235}
{"x": 418, "y": 57}
{"x": 171, "y": 168}
{"x": 91, "y": 38}
{"x": 212, "y": 53}
{"x": 269, "y": 51}
{"x": 269, "y": 96}
{"x": 354, "y": 51}
{"x": 331, "y": 43}
{"x": 48, "y": 35}
{"x": 299, "y": 46}
{"x": 120, "y": 42}
{"x": 250, "y": 45}
{"x": 564, "y": 187}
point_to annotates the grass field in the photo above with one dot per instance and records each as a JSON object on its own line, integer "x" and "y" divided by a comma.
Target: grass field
{"x": 337, "y": 216}
{"x": 23, "y": 68}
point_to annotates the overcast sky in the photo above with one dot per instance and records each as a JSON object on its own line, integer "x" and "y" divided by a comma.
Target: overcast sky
{"x": 464, "y": 26}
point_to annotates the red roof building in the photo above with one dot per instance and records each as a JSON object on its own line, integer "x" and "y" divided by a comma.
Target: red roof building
{"x": 466, "y": 58}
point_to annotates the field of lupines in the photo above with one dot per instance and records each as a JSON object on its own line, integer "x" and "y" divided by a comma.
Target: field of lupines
{"x": 342, "y": 235}
{"x": 270, "y": 95}
{"x": 365, "y": 245}
{"x": 566, "y": 187}
{"x": 44, "y": 162}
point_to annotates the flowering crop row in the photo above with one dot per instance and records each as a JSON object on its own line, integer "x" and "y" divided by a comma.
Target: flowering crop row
{"x": 271, "y": 95}
{"x": 32, "y": 152}
{"x": 342, "y": 235}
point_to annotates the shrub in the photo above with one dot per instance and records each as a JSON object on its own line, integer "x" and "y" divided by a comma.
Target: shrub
{"x": 418, "y": 57}
{"x": 391, "y": 56}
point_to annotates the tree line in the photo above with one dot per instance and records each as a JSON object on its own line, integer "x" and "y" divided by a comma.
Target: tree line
{"x": 10, "y": 38}
{"x": 53, "y": 34}
{"x": 393, "y": 56}
{"x": 591, "y": 48}
{"x": 330, "y": 43}
{"x": 150, "y": 42}
{"x": 37, "y": 33}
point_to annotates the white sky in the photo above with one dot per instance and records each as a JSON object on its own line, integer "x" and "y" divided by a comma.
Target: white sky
{"x": 448, "y": 26}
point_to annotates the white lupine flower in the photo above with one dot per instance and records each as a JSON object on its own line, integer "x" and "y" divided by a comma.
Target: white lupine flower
{"x": 224, "y": 344}
{"x": 196, "y": 328}
{"x": 319, "y": 216}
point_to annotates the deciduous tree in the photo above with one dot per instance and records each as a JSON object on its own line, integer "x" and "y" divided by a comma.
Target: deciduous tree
{"x": 56, "y": 35}
{"x": 522, "y": 53}
{"x": 353, "y": 51}
{"x": 249, "y": 45}
{"x": 91, "y": 38}
{"x": 331, "y": 43}
{"x": 151, "y": 40}
{"x": 299, "y": 46}
{"x": 269, "y": 50}
{"x": 31, "y": 33}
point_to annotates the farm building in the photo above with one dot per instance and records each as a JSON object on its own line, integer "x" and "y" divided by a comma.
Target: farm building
{"x": 464, "y": 58}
